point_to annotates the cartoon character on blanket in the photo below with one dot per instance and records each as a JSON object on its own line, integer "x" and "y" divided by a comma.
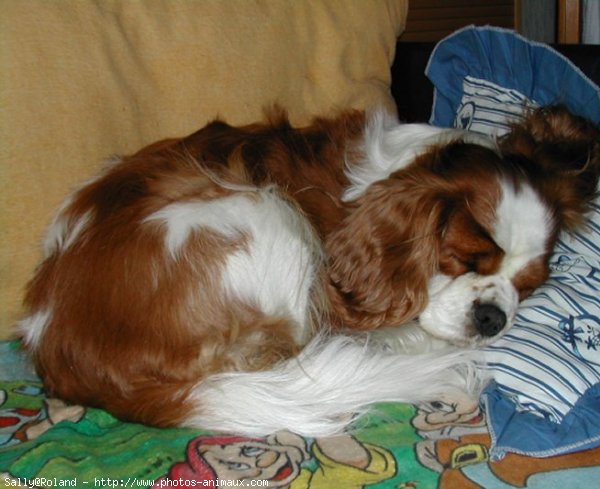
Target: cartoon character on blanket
{"x": 278, "y": 459}
{"x": 453, "y": 443}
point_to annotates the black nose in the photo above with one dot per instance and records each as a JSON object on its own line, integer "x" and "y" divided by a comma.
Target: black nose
{"x": 489, "y": 319}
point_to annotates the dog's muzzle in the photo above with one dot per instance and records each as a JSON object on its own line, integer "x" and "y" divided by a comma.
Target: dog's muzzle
{"x": 469, "y": 309}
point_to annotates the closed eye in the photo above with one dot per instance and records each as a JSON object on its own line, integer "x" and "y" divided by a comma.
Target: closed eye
{"x": 466, "y": 262}
{"x": 531, "y": 277}
{"x": 483, "y": 263}
{"x": 468, "y": 247}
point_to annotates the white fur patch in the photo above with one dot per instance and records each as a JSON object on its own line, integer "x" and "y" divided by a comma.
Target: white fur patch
{"x": 64, "y": 230}
{"x": 522, "y": 228}
{"x": 278, "y": 268}
{"x": 448, "y": 314}
{"x": 390, "y": 146}
{"x": 226, "y": 216}
{"x": 32, "y": 327}
{"x": 275, "y": 270}
{"x": 408, "y": 339}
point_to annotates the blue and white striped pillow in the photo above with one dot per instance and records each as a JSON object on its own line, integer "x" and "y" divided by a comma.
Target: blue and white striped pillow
{"x": 551, "y": 356}
{"x": 546, "y": 396}
{"x": 488, "y": 108}
{"x": 545, "y": 400}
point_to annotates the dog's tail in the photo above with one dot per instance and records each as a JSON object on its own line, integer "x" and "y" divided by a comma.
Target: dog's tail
{"x": 330, "y": 383}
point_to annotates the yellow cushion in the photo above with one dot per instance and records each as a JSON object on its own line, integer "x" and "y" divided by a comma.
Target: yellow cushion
{"x": 84, "y": 80}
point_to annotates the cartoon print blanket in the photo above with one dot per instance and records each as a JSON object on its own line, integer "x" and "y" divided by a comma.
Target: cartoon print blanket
{"x": 45, "y": 443}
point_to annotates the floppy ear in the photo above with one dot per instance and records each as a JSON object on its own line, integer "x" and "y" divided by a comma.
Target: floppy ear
{"x": 564, "y": 151}
{"x": 383, "y": 255}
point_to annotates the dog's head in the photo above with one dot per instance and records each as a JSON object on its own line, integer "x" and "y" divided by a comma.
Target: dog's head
{"x": 455, "y": 230}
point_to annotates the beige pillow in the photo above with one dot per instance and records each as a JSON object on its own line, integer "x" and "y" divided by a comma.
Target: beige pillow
{"x": 83, "y": 80}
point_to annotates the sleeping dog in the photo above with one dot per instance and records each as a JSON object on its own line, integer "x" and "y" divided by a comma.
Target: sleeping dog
{"x": 182, "y": 285}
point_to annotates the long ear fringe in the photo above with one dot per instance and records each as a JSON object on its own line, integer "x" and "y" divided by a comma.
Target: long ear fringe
{"x": 563, "y": 153}
{"x": 385, "y": 252}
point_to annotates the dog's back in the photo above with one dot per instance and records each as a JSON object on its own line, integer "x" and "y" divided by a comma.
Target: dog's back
{"x": 187, "y": 259}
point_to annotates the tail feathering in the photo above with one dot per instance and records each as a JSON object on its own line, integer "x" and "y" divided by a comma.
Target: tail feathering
{"x": 333, "y": 381}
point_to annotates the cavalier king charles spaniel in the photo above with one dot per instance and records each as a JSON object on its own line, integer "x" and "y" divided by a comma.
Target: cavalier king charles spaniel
{"x": 212, "y": 281}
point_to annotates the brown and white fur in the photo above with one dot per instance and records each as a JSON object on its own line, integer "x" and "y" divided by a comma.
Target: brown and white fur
{"x": 197, "y": 281}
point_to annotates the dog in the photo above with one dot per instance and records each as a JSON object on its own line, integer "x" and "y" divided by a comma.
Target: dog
{"x": 219, "y": 280}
